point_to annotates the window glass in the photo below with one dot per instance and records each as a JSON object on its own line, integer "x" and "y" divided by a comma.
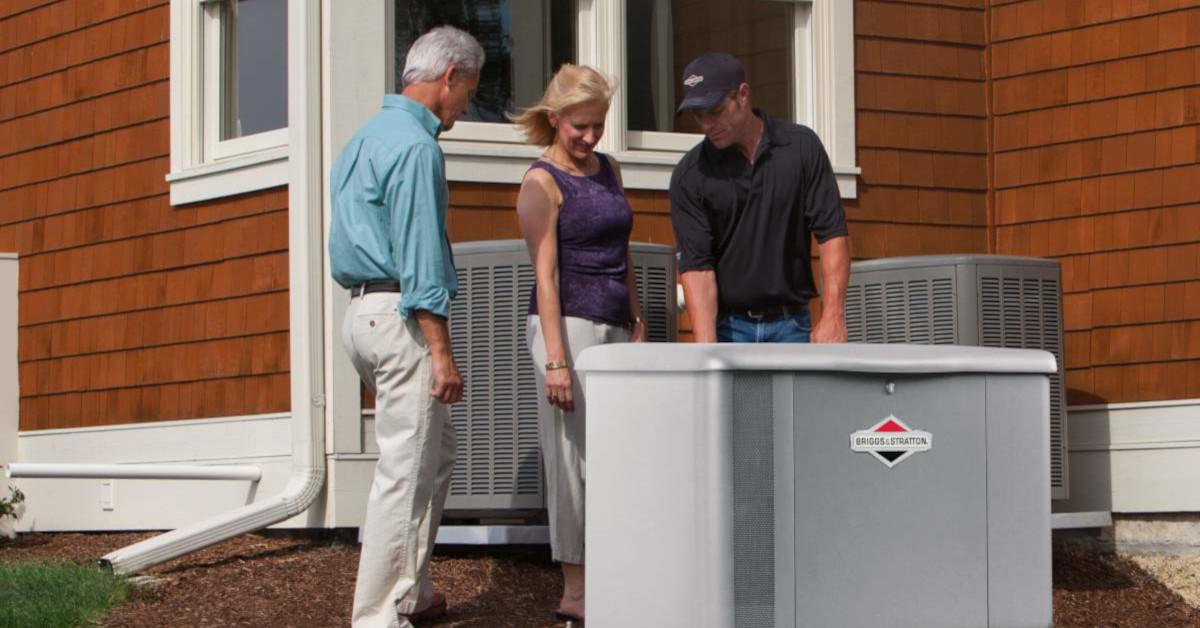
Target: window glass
{"x": 254, "y": 60}
{"x": 662, "y": 36}
{"x": 525, "y": 42}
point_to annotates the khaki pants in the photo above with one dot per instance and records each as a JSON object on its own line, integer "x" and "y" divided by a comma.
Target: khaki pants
{"x": 416, "y": 457}
{"x": 562, "y": 434}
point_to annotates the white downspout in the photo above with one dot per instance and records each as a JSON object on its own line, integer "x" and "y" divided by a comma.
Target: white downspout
{"x": 305, "y": 272}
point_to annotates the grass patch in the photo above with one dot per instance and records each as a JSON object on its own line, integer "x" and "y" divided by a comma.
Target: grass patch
{"x": 56, "y": 595}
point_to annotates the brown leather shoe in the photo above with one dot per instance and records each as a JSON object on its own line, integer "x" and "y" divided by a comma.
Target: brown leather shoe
{"x": 436, "y": 609}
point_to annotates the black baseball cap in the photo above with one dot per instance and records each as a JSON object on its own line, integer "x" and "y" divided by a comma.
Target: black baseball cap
{"x": 708, "y": 78}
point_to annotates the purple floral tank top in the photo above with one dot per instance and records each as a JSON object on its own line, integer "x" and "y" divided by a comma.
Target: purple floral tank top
{"x": 594, "y": 222}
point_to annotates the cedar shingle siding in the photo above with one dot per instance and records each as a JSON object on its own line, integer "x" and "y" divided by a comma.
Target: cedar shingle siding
{"x": 1096, "y": 106}
{"x": 922, "y": 129}
{"x": 130, "y": 310}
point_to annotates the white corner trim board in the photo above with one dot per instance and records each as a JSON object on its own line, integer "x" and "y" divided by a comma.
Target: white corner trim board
{"x": 9, "y": 393}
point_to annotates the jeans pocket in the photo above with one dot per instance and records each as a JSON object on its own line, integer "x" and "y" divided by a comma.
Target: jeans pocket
{"x": 801, "y": 322}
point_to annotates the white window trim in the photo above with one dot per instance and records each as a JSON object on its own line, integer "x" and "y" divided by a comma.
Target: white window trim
{"x": 231, "y": 167}
{"x": 824, "y": 100}
{"x": 466, "y": 131}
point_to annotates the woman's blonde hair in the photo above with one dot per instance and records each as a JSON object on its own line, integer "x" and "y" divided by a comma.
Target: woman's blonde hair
{"x": 571, "y": 86}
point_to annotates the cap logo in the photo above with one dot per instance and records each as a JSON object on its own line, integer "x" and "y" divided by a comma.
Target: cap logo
{"x": 693, "y": 80}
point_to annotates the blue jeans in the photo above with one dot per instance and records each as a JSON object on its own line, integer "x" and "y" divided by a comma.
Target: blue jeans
{"x": 792, "y": 327}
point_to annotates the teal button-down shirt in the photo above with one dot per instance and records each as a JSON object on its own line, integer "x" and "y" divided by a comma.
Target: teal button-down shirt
{"x": 389, "y": 194}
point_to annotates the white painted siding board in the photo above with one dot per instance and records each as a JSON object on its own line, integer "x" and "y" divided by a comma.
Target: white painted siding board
{"x": 68, "y": 504}
{"x": 166, "y": 441}
{"x": 75, "y": 505}
{"x": 1135, "y": 458}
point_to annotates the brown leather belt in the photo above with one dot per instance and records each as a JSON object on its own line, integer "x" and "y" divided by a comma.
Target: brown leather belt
{"x": 772, "y": 311}
{"x": 379, "y": 285}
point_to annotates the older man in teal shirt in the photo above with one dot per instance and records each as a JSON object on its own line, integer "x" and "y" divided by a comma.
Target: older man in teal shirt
{"x": 388, "y": 245}
{"x": 389, "y": 212}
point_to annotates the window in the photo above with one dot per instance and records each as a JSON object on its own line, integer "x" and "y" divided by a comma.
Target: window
{"x": 248, "y": 74}
{"x": 525, "y": 41}
{"x": 229, "y": 101}
{"x": 662, "y": 36}
{"x": 799, "y": 58}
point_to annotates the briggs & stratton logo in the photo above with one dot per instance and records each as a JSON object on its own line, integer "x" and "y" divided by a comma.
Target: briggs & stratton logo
{"x": 693, "y": 80}
{"x": 890, "y": 441}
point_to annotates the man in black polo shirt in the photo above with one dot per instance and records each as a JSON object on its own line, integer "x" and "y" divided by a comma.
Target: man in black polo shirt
{"x": 745, "y": 205}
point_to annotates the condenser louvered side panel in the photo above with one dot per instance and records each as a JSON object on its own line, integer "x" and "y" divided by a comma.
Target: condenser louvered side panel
{"x": 875, "y": 323}
{"x": 502, "y": 380}
{"x": 901, "y": 307}
{"x": 991, "y": 313}
{"x": 655, "y": 276}
{"x": 1021, "y": 308}
{"x": 944, "y": 311}
{"x": 1052, "y": 342}
{"x": 896, "y": 313}
{"x": 499, "y": 464}
{"x": 460, "y": 344}
{"x": 475, "y": 439}
{"x": 919, "y": 303}
{"x": 855, "y": 312}
{"x": 529, "y": 468}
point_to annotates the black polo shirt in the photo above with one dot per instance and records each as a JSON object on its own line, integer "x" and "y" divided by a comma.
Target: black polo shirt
{"x": 753, "y": 224}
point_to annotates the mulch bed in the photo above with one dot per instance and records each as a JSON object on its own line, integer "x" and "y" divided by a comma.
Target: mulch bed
{"x": 1099, "y": 589}
{"x": 287, "y": 581}
{"x": 284, "y": 581}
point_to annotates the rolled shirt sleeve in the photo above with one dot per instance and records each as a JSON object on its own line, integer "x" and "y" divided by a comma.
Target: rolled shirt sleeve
{"x": 823, "y": 203}
{"x": 693, "y": 233}
{"x": 417, "y": 194}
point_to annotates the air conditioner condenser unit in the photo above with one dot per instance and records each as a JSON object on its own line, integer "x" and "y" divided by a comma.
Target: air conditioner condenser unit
{"x": 499, "y": 464}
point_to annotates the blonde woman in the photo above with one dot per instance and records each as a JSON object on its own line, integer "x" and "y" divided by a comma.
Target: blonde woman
{"x": 576, "y": 222}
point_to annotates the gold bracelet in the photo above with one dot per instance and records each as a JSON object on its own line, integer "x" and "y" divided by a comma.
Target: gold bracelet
{"x": 557, "y": 364}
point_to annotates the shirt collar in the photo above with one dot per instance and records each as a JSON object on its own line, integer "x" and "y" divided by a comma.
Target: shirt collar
{"x": 771, "y": 134}
{"x": 770, "y": 137}
{"x": 424, "y": 116}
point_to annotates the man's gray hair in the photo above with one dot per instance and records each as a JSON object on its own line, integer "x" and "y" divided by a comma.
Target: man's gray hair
{"x": 434, "y": 52}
